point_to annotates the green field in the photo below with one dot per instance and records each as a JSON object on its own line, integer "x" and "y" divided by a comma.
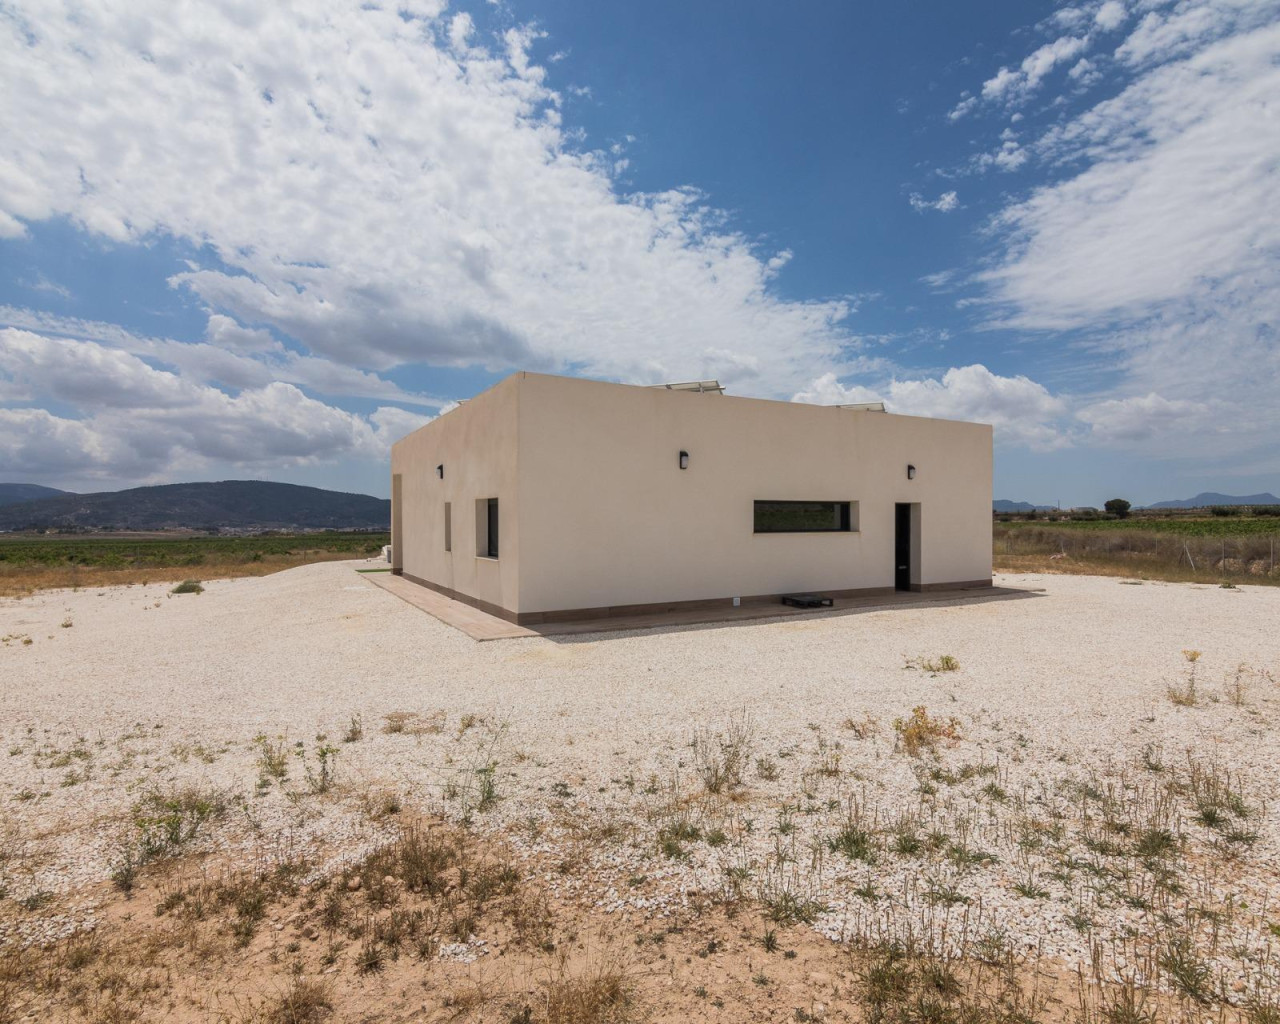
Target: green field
{"x": 48, "y": 551}
{"x": 1236, "y": 549}
{"x": 31, "y": 562}
{"x": 1183, "y": 526}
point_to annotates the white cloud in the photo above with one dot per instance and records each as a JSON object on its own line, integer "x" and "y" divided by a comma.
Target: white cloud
{"x": 139, "y": 420}
{"x": 233, "y": 356}
{"x": 940, "y": 279}
{"x": 945, "y": 203}
{"x": 1009, "y": 157}
{"x": 1160, "y": 246}
{"x": 1185, "y": 27}
{"x": 38, "y": 445}
{"x": 385, "y": 191}
{"x": 43, "y": 284}
{"x": 1084, "y": 71}
{"x": 1010, "y": 86}
{"x": 1000, "y": 84}
{"x": 1180, "y": 192}
{"x": 827, "y": 390}
{"x": 1021, "y": 410}
{"x": 1048, "y": 57}
{"x": 1141, "y": 418}
{"x": 224, "y": 332}
{"x": 1110, "y": 16}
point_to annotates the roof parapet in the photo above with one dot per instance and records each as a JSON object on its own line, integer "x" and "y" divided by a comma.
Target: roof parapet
{"x": 708, "y": 387}
{"x": 864, "y": 406}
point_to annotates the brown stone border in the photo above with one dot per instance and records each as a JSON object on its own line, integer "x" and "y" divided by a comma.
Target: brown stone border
{"x": 928, "y": 588}
{"x": 485, "y": 606}
{"x": 623, "y": 610}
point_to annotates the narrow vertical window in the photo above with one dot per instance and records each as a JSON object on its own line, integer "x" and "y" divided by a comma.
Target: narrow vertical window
{"x": 486, "y": 527}
{"x": 448, "y": 526}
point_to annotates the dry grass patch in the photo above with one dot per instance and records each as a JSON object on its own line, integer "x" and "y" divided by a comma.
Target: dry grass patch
{"x": 921, "y": 732}
{"x": 305, "y": 1001}
{"x": 598, "y": 995}
{"x": 412, "y": 723}
{"x": 721, "y": 758}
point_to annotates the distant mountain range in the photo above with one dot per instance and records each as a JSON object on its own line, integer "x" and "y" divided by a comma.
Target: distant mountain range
{"x": 12, "y": 494}
{"x": 1202, "y": 500}
{"x": 1207, "y": 498}
{"x": 228, "y": 504}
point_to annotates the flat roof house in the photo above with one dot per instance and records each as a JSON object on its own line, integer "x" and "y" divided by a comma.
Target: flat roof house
{"x": 549, "y": 498}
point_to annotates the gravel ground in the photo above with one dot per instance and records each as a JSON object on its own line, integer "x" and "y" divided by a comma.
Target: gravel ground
{"x": 1066, "y": 751}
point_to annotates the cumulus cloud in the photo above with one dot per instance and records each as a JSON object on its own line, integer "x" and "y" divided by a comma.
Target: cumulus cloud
{"x": 1021, "y": 410}
{"x": 232, "y": 355}
{"x": 1140, "y": 418}
{"x": 139, "y": 421}
{"x": 1110, "y": 16}
{"x": 828, "y": 390}
{"x": 383, "y": 190}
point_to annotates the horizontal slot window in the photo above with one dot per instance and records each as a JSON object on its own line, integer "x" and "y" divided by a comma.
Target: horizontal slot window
{"x": 805, "y": 516}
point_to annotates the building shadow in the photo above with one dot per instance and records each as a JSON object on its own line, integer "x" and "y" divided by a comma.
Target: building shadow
{"x": 594, "y": 630}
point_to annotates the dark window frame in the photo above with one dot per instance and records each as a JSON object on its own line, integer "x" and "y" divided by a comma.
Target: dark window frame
{"x": 491, "y": 511}
{"x": 845, "y": 520}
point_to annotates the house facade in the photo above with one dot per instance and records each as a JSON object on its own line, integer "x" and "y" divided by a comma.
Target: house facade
{"x": 549, "y": 498}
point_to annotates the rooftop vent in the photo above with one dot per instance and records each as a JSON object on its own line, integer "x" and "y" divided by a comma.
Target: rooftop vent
{"x": 865, "y": 406}
{"x": 710, "y": 387}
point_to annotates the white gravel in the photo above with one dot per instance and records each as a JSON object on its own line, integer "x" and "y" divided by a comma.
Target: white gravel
{"x": 1056, "y": 691}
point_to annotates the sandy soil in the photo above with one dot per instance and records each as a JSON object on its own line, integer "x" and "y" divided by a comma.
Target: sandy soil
{"x": 1060, "y": 720}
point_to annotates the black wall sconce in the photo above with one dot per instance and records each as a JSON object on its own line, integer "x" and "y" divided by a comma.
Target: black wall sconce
{"x": 684, "y": 460}
{"x": 440, "y": 471}
{"x": 911, "y": 472}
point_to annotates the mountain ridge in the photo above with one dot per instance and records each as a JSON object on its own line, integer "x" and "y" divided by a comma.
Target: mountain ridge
{"x": 16, "y": 494}
{"x": 215, "y": 505}
{"x": 1207, "y": 498}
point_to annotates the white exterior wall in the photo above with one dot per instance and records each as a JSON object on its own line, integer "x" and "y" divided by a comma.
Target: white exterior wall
{"x": 477, "y": 445}
{"x": 596, "y": 512}
{"x": 609, "y": 519}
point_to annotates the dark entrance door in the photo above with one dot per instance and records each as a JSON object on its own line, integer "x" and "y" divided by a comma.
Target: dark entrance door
{"x": 902, "y": 547}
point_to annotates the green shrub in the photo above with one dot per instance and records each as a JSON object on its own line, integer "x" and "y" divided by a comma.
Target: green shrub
{"x": 188, "y": 587}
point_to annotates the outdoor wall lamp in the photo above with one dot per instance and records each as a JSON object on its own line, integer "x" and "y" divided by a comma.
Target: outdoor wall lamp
{"x": 911, "y": 472}
{"x": 440, "y": 471}
{"x": 684, "y": 460}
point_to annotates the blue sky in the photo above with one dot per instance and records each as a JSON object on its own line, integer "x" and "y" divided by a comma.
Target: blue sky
{"x": 265, "y": 242}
